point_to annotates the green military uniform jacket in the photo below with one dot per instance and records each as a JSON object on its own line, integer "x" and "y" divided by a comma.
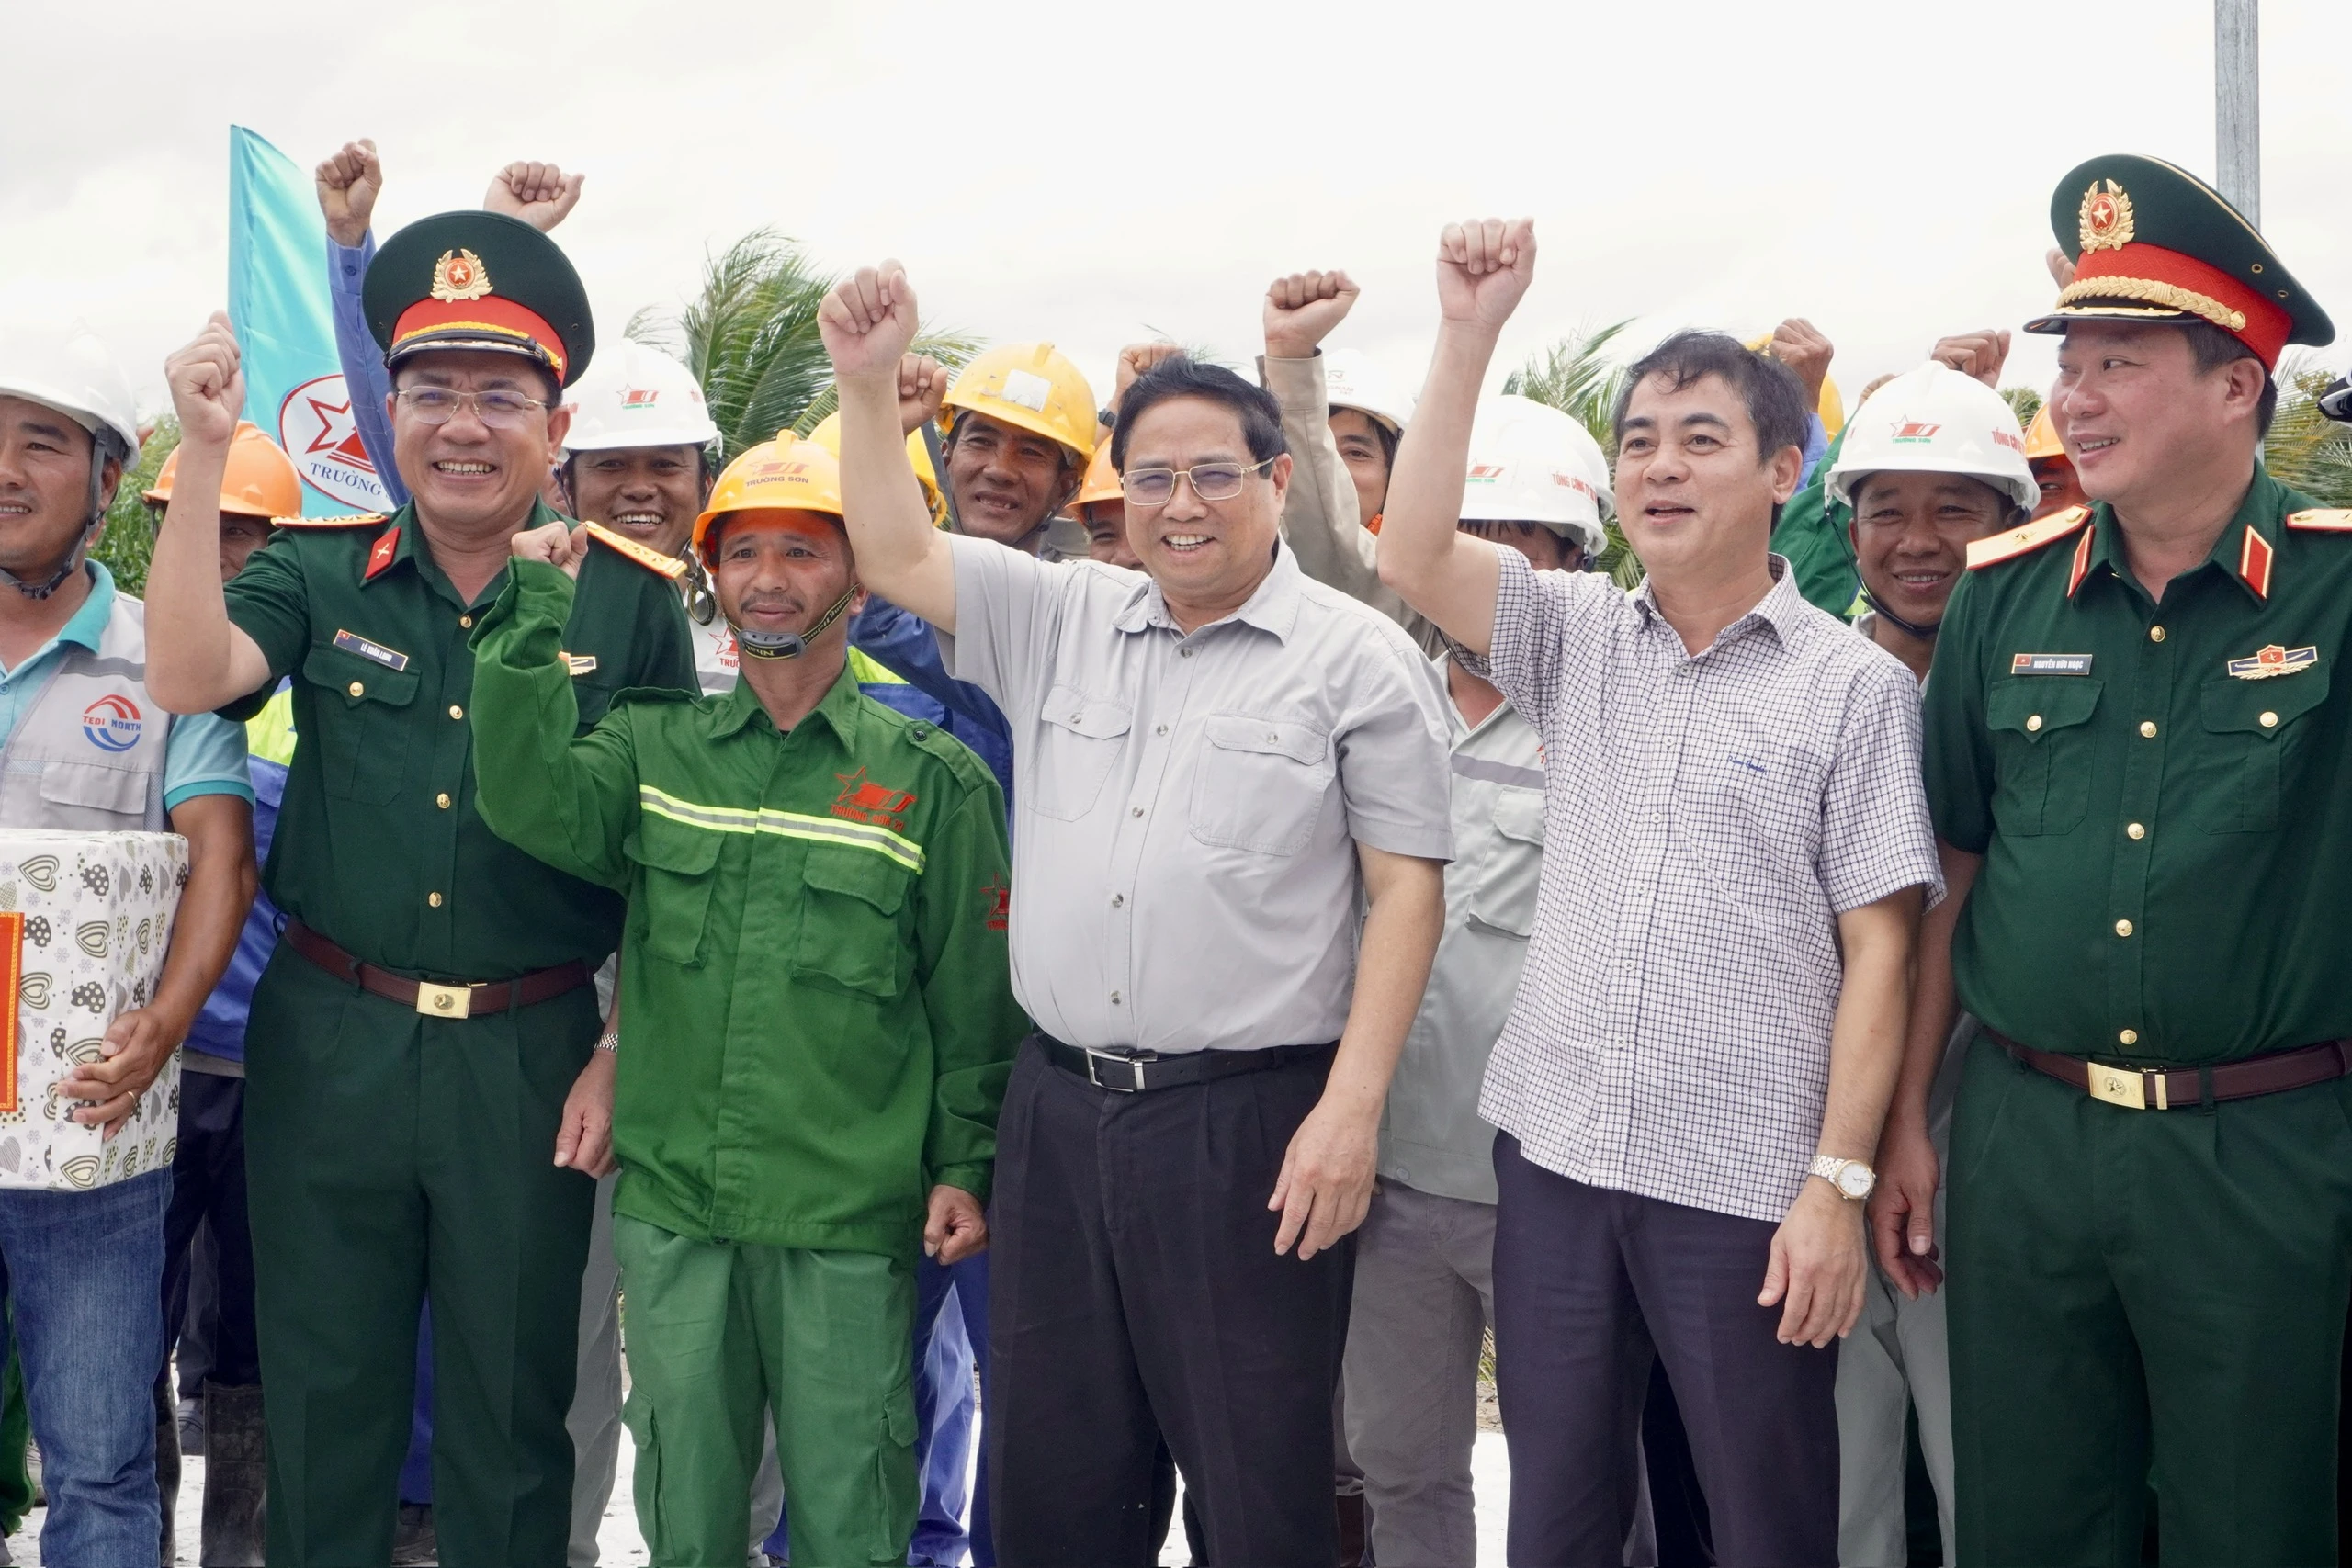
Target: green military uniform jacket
{"x": 817, "y": 1012}
{"x": 2161, "y": 807}
{"x": 379, "y": 845}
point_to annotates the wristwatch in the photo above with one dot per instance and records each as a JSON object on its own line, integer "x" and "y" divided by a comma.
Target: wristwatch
{"x": 611, "y": 1041}
{"x": 1852, "y": 1179}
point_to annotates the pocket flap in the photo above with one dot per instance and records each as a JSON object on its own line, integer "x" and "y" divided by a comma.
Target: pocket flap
{"x": 1097, "y": 719}
{"x": 2033, "y": 705}
{"x": 1519, "y": 814}
{"x": 95, "y": 785}
{"x": 1275, "y": 737}
{"x": 2231, "y": 706}
{"x": 357, "y": 679}
{"x": 862, "y": 874}
{"x": 671, "y": 846}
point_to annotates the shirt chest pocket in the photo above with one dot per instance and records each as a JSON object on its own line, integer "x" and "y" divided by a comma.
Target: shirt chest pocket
{"x": 364, "y": 712}
{"x": 94, "y": 796}
{"x": 1077, "y": 744}
{"x": 851, "y": 936}
{"x": 1261, "y": 782}
{"x": 2042, "y": 751}
{"x": 2259, "y": 728}
{"x": 676, "y": 865}
{"x": 1504, "y": 898}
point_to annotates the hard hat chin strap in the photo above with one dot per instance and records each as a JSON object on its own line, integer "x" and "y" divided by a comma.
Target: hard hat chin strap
{"x": 1925, "y": 634}
{"x": 72, "y": 562}
{"x": 790, "y": 644}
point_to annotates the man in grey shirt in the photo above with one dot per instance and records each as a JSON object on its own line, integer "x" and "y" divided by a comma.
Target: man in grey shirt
{"x": 1227, "y": 885}
{"x": 1710, "y": 1021}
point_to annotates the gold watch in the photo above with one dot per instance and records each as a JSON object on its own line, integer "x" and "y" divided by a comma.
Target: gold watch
{"x": 1852, "y": 1179}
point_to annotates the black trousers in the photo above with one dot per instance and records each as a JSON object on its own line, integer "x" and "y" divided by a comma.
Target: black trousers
{"x": 208, "y": 1187}
{"x": 1590, "y": 1286}
{"x": 1136, "y": 1291}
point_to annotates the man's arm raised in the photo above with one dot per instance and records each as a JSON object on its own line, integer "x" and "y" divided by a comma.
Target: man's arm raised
{"x": 196, "y": 660}
{"x": 1483, "y": 268}
{"x": 867, "y": 322}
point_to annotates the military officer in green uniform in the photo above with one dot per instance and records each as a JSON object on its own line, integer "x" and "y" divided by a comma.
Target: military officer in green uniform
{"x": 2135, "y": 756}
{"x": 820, "y": 1021}
{"x": 416, "y": 1036}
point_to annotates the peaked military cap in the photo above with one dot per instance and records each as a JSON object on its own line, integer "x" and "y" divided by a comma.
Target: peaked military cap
{"x": 2152, "y": 243}
{"x": 479, "y": 280}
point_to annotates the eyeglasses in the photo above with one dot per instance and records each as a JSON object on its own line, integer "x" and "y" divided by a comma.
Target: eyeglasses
{"x": 498, "y": 409}
{"x": 1210, "y": 481}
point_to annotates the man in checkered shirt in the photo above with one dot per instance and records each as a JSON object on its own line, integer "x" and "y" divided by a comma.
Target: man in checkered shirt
{"x": 1709, "y": 1024}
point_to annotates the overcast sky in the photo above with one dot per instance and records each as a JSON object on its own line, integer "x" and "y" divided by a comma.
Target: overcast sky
{"x": 1096, "y": 175}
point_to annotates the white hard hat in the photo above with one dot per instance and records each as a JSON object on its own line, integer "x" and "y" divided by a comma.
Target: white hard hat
{"x": 1351, "y": 381}
{"x": 70, "y": 371}
{"x": 638, "y": 397}
{"x": 1531, "y": 463}
{"x": 1934, "y": 421}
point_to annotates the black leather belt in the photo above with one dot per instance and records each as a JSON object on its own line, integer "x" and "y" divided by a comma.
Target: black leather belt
{"x": 1129, "y": 1071}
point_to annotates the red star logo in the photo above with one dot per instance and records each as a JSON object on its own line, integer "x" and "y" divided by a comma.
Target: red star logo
{"x": 338, "y": 433}
{"x": 863, "y": 800}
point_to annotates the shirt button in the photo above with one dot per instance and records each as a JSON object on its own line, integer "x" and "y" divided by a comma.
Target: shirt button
{"x": 1184, "y": 653}
{"x": 1137, "y": 812}
{"x": 1114, "y": 999}
{"x": 358, "y": 687}
{"x": 2155, "y": 634}
{"x": 434, "y": 900}
{"x": 1161, "y": 730}
{"x": 457, "y": 712}
{"x": 2122, "y": 928}
{"x": 2033, "y": 723}
{"x": 465, "y": 620}
{"x": 1119, "y": 899}
{"x": 2129, "y": 1037}
{"x": 2269, "y": 720}
{"x": 442, "y": 801}
{"x": 2148, "y": 729}
{"x": 2135, "y": 832}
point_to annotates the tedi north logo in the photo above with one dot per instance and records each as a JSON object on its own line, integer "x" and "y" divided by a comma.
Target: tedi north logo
{"x": 316, "y": 427}
{"x": 112, "y": 723}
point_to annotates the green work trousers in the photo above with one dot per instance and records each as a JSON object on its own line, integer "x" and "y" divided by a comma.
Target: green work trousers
{"x": 391, "y": 1158}
{"x": 2146, "y": 1294}
{"x": 719, "y": 1331}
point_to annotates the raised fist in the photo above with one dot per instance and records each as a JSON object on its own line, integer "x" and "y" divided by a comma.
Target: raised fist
{"x": 1802, "y": 346}
{"x": 1135, "y": 361}
{"x": 923, "y": 387}
{"x": 555, "y": 543}
{"x": 868, "y": 321}
{"x": 1301, "y": 310}
{"x": 1484, "y": 267}
{"x": 208, "y": 384}
{"x": 349, "y": 181}
{"x": 1978, "y": 354}
{"x": 540, "y": 194}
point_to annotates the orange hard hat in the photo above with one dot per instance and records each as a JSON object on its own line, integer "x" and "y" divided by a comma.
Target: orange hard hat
{"x": 2041, "y": 438}
{"x": 260, "y": 480}
{"x": 1102, "y": 480}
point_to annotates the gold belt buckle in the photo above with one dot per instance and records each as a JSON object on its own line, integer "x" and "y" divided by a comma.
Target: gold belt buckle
{"x": 2126, "y": 1086}
{"x": 444, "y": 1002}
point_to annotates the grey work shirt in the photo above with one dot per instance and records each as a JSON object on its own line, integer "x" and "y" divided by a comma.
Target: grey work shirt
{"x": 1432, "y": 1137}
{"x": 1185, "y": 869}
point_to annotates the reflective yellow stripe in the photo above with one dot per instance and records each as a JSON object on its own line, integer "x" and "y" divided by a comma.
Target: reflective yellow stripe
{"x": 866, "y": 673}
{"x": 269, "y": 734}
{"x": 890, "y": 846}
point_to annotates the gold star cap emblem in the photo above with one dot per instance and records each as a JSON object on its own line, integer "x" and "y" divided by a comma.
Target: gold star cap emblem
{"x": 459, "y": 274}
{"x": 2104, "y": 221}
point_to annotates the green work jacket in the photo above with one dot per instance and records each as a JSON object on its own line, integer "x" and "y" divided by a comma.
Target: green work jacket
{"x": 2162, "y": 808}
{"x": 378, "y": 846}
{"x": 817, "y": 1012}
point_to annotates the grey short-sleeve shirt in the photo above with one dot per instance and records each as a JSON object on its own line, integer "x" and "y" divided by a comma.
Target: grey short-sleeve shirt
{"x": 1184, "y": 865}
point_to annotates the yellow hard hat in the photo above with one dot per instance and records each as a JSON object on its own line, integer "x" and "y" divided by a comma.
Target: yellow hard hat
{"x": 1033, "y": 387}
{"x": 260, "y": 480}
{"x": 2041, "y": 438}
{"x": 788, "y": 474}
{"x": 828, "y": 434}
{"x": 1102, "y": 481}
{"x": 1832, "y": 406}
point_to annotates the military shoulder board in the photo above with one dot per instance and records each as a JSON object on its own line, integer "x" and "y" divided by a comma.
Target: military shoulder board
{"x": 652, "y": 561}
{"x": 2323, "y": 519}
{"x": 355, "y": 520}
{"x": 2013, "y": 542}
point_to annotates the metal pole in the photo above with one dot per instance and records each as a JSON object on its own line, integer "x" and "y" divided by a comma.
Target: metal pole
{"x": 2237, "y": 104}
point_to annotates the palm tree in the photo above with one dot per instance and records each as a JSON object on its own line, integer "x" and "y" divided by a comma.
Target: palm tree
{"x": 751, "y": 339}
{"x": 1576, "y": 377}
{"x": 2305, "y": 449}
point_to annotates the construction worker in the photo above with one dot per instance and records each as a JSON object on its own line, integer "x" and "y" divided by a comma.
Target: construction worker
{"x": 2053, "y": 471}
{"x": 2135, "y": 759}
{"x": 85, "y": 1269}
{"x": 258, "y": 484}
{"x": 1101, "y": 511}
{"x": 790, "y": 1121}
{"x": 431, "y": 978}
{"x": 1932, "y": 462}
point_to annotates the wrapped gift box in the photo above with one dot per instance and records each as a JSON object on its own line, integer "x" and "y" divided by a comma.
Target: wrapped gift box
{"x": 84, "y": 919}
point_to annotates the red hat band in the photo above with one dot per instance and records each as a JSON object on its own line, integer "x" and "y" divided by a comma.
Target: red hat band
{"x": 2150, "y": 275}
{"x": 490, "y": 317}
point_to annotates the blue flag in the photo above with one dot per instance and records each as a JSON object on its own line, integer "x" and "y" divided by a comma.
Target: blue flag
{"x": 285, "y": 325}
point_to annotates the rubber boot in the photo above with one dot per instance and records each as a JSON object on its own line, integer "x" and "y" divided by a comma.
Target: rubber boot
{"x": 236, "y": 1472}
{"x": 167, "y": 1464}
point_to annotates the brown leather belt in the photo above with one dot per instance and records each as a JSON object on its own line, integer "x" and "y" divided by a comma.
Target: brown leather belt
{"x": 477, "y": 1000}
{"x": 2150, "y": 1088}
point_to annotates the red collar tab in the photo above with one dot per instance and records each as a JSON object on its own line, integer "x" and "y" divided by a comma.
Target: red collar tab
{"x": 388, "y": 545}
{"x": 2254, "y": 562}
{"x": 2082, "y": 561}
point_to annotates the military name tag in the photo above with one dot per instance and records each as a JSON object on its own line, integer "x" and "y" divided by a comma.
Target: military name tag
{"x": 2050, "y": 663}
{"x": 2274, "y": 661}
{"x": 580, "y": 664}
{"x": 375, "y": 652}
